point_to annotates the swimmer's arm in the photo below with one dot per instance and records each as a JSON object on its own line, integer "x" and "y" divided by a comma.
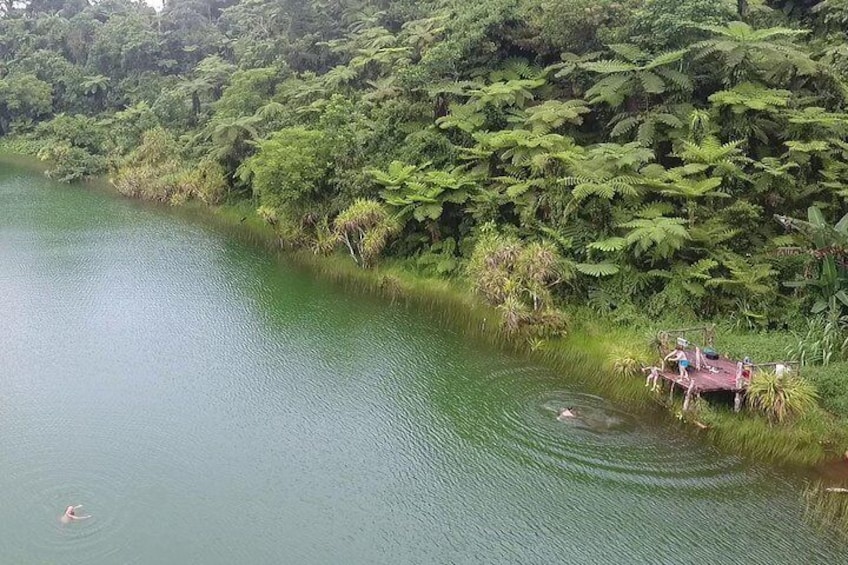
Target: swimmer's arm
{"x": 80, "y": 517}
{"x": 77, "y": 506}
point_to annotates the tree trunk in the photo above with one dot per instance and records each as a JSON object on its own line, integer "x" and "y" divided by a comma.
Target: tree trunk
{"x": 742, "y": 8}
{"x": 441, "y": 107}
{"x": 346, "y": 239}
{"x": 195, "y": 105}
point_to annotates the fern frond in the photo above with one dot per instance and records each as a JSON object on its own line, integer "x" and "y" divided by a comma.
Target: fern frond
{"x": 651, "y": 83}
{"x": 666, "y": 58}
{"x": 646, "y": 132}
{"x": 608, "y": 66}
{"x": 679, "y": 79}
{"x": 624, "y": 126}
{"x": 628, "y": 51}
{"x": 609, "y": 245}
{"x": 597, "y": 270}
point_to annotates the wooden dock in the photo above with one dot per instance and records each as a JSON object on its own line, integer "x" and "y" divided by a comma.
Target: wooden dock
{"x": 721, "y": 378}
{"x": 714, "y": 375}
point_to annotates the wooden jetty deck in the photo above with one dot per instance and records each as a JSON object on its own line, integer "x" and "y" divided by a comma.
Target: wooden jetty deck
{"x": 715, "y": 375}
{"x": 723, "y": 378}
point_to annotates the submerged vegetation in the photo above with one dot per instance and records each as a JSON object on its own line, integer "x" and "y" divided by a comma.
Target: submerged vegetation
{"x": 584, "y": 167}
{"x": 828, "y": 507}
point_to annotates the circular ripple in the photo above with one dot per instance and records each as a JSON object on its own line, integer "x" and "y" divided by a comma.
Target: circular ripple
{"x": 604, "y": 442}
{"x": 50, "y": 481}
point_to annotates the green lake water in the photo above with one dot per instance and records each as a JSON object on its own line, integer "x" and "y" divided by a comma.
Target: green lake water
{"x": 208, "y": 405}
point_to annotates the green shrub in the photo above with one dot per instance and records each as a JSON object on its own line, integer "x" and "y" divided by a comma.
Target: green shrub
{"x": 69, "y": 163}
{"x": 822, "y": 343}
{"x": 781, "y": 398}
{"x": 365, "y": 228}
{"x": 832, "y": 384}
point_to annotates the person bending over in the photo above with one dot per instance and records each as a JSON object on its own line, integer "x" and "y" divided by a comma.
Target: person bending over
{"x": 682, "y": 361}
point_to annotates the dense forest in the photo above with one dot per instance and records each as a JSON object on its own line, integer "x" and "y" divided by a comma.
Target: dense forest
{"x": 672, "y": 159}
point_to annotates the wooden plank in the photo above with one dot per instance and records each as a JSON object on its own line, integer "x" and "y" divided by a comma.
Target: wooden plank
{"x": 723, "y": 379}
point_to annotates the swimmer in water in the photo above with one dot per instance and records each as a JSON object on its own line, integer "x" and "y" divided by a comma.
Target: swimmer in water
{"x": 566, "y": 414}
{"x": 71, "y": 514}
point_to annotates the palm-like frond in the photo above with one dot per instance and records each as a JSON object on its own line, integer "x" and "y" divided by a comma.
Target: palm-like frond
{"x": 662, "y": 236}
{"x": 747, "y": 52}
{"x": 740, "y": 32}
{"x": 463, "y": 117}
{"x": 609, "y": 245}
{"x": 553, "y": 114}
{"x": 597, "y": 270}
{"x": 748, "y": 96}
{"x": 606, "y": 188}
{"x": 506, "y": 93}
{"x": 636, "y": 74}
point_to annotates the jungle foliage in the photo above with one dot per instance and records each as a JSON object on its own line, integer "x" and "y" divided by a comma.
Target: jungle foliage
{"x": 647, "y": 158}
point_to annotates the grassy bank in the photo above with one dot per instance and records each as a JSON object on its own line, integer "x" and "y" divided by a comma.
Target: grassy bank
{"x": 596, "y": 353}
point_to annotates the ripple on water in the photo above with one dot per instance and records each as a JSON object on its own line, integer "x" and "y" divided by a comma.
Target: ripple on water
{"x": 603, "y": 442}
{"x": 116, "y": 487}
{"x": 51, "y": 485}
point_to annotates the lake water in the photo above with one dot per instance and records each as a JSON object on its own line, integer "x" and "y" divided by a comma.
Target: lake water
{"x": 208, "y": 405}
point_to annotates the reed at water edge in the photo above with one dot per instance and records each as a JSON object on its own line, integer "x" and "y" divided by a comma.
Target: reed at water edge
{"x": 827, "y": 507}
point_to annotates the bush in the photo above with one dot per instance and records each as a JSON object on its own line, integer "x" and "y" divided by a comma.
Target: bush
{"x": 667, "y": 24}
{"x": 289, "y": 169}
{"x": 822, "y": 343}
{"x": 154, "y": 171}
{"x": 365, "y": 227}
{"x": 69, "y": 163}
{"x": 501, "y": 267}
{"x": 576, "y": 26}
{"x": 781, "y": 398}
{"x": 832, "y": 384}
{"x": 207, "y": 182}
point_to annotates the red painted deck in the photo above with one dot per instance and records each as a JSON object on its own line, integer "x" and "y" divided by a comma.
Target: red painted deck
{"x": 706, "y": 381}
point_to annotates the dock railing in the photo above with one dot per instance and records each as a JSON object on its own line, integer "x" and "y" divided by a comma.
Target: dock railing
{"x": 667, "y": 339}
{"x": 794, "y": 366}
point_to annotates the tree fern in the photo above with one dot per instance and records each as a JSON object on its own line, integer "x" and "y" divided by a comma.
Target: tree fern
{"x": 636, "y": 74}
{"x": 658, "y": 237}
{"x": 505, "y": 93}
{"x": 463, "y": 117}
{"x": 748, "y": 53}
{"x": 514, "y": 68}
{"x": 748, "y": 96}
{"x": 553, "y": 114}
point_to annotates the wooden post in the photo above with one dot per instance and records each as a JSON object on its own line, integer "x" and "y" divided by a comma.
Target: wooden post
{"x": 671, "y": 392}
{"x": 737, "y": 401}
{"x": 688, "y": 397}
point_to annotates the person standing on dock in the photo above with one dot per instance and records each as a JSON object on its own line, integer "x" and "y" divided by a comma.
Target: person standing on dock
{"x": 679, "y": 356}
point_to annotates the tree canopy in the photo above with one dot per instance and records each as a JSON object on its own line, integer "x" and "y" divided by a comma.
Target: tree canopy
{"x": 644, "y": 148}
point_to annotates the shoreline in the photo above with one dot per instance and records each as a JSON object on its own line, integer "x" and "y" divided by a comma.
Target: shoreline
{"x": 587, "y": 352}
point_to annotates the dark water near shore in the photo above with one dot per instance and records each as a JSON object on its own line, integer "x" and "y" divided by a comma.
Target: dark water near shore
{"x": 207, "y": 405}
